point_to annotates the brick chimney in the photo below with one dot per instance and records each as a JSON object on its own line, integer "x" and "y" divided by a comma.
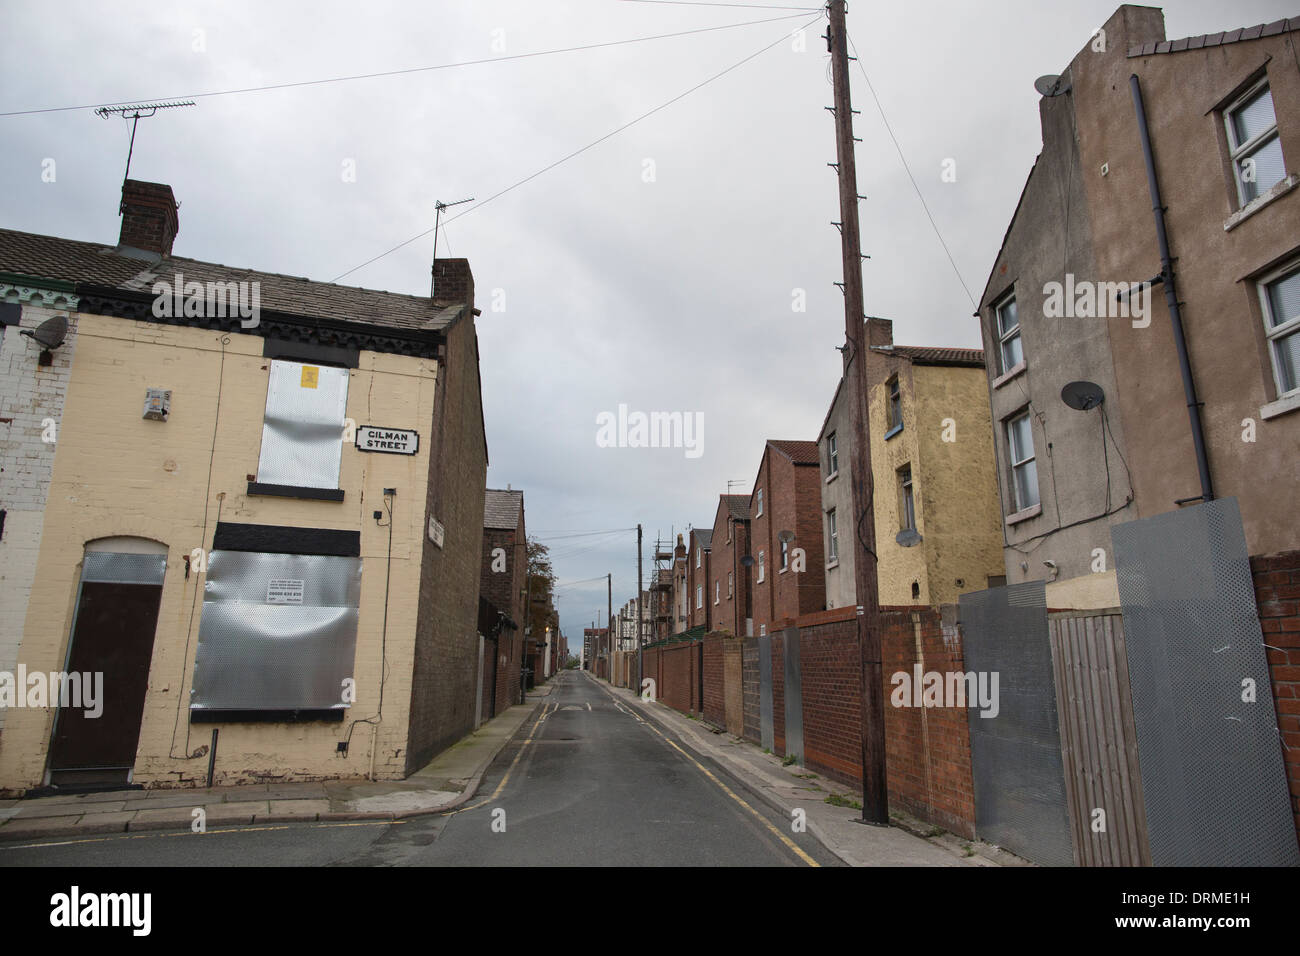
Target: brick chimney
{"x": 880, "y": 333}
{"x": 453, "y": 281}
{"x": 149, "y": 220}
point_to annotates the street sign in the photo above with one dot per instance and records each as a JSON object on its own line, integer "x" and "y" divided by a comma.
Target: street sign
{"x": 392, "y": 441}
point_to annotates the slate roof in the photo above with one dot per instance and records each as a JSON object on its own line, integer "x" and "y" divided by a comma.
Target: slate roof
{"x": 704, "y": 536}
{"x": 928, "y": 355}
{"x": 95, "y": 263}
{"x": 737, "y": 506}
{"x": 799, "y": 452}
{"x": 501, "y": 509}
{"x": 1276, "y": 28}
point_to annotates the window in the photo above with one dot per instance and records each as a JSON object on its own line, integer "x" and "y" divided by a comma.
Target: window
{"x": 302, "y": 433}
{"x": 717, "y": 590}
{"x": 785, "y": 555}
{"x": 731, "y": 585}
{"x": 1024, "y": 470}
{"x": 699, "y": 596}
{"x": 761, "y": 566}
{"x": 907, "y": 510}
{"x": 832, "y": 456}
{"x": 894, "y": 406}
{"x": 1281, "y": 298}
{"x": 1256, "y": 149}
{"x": 762, "y": 630}
{"x": 697, "y": 556}
{"x": 758, "y": 497}
{"x": 1009, "y": 350}
{"x": 832, "y": 537}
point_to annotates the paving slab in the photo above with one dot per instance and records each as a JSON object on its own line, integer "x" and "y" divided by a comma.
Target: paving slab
{"x": 285, "y": 811}
{"x": 164, "y": 818}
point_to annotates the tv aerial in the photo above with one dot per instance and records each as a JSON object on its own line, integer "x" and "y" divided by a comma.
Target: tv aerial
{"x": 438, "y": 207}
{"x": 136, "y": 112}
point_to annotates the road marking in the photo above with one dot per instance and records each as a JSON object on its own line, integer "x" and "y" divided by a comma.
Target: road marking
{"x": 794, "y": 847}
{"x": 214, "y": 832}
{"x": 532, "y": 731}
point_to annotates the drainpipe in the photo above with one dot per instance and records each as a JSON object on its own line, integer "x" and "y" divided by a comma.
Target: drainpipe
{"x": 1171, "y": 298}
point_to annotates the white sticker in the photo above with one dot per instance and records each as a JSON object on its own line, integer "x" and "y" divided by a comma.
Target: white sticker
{"x": 284, "y": 591}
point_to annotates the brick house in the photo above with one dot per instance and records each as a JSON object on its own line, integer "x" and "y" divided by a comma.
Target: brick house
{"x": 788, "y": 574}
{"x": 280, "y": 457}
{"x": 700, "y": 585}
{"x": 730, "y": 542}
{"x": 933, "y": 470}
{"x": 501, "y": 586}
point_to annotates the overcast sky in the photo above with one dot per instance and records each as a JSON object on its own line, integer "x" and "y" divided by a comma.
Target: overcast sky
{"x": 656, "y": 270}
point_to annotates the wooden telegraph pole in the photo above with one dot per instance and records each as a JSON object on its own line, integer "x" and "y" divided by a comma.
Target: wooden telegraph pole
{"x": 875, "y": 793}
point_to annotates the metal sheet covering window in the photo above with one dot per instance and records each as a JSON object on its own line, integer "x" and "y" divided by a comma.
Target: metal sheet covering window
{"x": 278, "y": 632}
{"x": 302, "y": 435}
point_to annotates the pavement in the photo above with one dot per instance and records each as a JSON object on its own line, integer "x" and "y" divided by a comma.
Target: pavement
{"x": 908, "y": 842}
{"x": 449, "y": 781}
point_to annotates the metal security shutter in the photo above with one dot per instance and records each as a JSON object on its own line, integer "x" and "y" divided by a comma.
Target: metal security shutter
{"x": 302, "y": 434}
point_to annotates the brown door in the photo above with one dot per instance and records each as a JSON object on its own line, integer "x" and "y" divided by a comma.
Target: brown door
{"x": 113, "y": 635}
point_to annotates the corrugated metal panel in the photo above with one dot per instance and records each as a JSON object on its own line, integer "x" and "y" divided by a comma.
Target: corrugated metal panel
{"x": 302, "y": 435}
{"x": 767, "y": 728}
{"x": 118, "y": 568}
{"x": 1098, "y": 740}
{"x": 793, "y": 696}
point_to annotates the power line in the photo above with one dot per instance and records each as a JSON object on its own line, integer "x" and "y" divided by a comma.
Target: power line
{"x": 416, "y": 69}
{"x": 578, "y": 152}
{"x": 736, "y": 6}
{"x": 908, "y": 170}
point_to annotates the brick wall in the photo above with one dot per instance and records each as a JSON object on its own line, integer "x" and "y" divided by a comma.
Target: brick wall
{"x": 927, "y": 748}
{"x": 731, "y": 612}
{"x": 1277, "y": 596}
{"x": 714, "y": 680}
{"x": 751, "y": 727}
{"x": 733, "y": 689}
{"x": 791, "y": 502}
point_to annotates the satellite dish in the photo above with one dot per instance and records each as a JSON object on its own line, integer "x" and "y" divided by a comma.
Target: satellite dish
{"x": 747, "y": 560}
{"x": 1082, "y": 395}
{"x": 908, "y": 538}
{"x": 1051, "y": 85}
{"x": 786, "y": 536}
{"x": 50, "y": 333}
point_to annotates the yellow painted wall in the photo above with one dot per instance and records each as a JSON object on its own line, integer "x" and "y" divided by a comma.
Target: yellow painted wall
{"x": 116, "y": 473}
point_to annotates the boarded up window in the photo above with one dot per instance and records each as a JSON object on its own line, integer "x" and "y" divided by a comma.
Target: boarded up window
{"x": 302, "y": 434}
{"x": 278, "y": 632}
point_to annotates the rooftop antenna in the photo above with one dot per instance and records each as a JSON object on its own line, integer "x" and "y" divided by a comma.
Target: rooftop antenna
{"x": 135, "y": 112}
{"x": 438, "y": 207}
{"x": 735, "y": 481}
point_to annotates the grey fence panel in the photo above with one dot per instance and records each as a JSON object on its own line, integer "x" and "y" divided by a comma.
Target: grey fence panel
{"x": 1211, "y": 757}
{"x": 793, "y": 696}
{"x": 1020, "y": 799}
{"x": 767, "y": 731}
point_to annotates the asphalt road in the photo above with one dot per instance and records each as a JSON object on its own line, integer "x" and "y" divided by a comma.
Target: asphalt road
{"x": 585, "y": 783}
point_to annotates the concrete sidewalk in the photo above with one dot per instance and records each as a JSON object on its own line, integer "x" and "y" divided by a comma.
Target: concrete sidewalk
{"x": 907, "y": 843}
{"x": 449, "y": 781}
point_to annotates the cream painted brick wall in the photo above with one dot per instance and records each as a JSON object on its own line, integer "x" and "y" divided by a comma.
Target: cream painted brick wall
{"x": 116, "y": 473}
{"x": 29, "y": 394}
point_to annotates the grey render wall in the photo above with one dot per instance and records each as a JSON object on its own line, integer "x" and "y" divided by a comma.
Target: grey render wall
{"x": 1072, "y": 478}
{"x": 837, "y": 494}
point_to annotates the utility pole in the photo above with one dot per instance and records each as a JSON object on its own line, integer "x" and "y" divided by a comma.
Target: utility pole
{"x": 640, "y": 615}
{"x": 609, "y": 616}
{"x": 875, "y": 792}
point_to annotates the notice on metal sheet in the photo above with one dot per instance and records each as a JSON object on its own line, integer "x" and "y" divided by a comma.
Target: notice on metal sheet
{"x": 310, "y": 376}
{"x": 284, "y": 591}
{"x": 392, "y": 441}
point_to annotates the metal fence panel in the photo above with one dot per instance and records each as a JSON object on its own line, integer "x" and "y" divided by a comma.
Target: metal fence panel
{"x": 767, "y": 735}
{"x": 1019, "y": 779}
{"x": 1211, "y": 757}
{"x": 793, "y": 697}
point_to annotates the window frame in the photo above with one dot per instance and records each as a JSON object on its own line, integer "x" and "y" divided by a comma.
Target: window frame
{"x": 893, "y": 405}
{"x": 907, "y": 499}
{"x": 832, "y": 456}
{"x": 785, "y": 557}
{"x": 759, "y": 495}
{"x": 832, "y": 536}
{"x": 731, "y": 585}
{"x": 1239, "y": 151}
{"x": 1008, "y": 424}
{"x": 762, "y": 567}
{"x": 1272, "y": 335}
{"x": 699, "y": 596}
{"x": 1004, "y": 336}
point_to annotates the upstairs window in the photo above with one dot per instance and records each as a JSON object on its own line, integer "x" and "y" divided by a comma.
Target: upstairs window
{"x": 762, "y": 565}
{"x": 1281, "y": 299}
{"x": 1024, "y": 469}
{"x": 717, "y": 591}
{"x": 1009, "y": 350}
{"x": 731, "y": 585}
{"x": 302, "y": 433}
{"x": 697, "y": 556}
{"x": 907, "y": 501}
{"x": 785, "y": 555}
{"x": 699, "y": 596}
{"x": 1256, "y": 149}
{"x": 894, "y": 406}
{"x": 758, "y": 498}
{"x": 832, "y": 537}
{"x": 832, "y": 456}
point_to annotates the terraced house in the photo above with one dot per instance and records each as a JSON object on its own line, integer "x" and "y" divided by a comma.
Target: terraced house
{"x": 263, "y": 526}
